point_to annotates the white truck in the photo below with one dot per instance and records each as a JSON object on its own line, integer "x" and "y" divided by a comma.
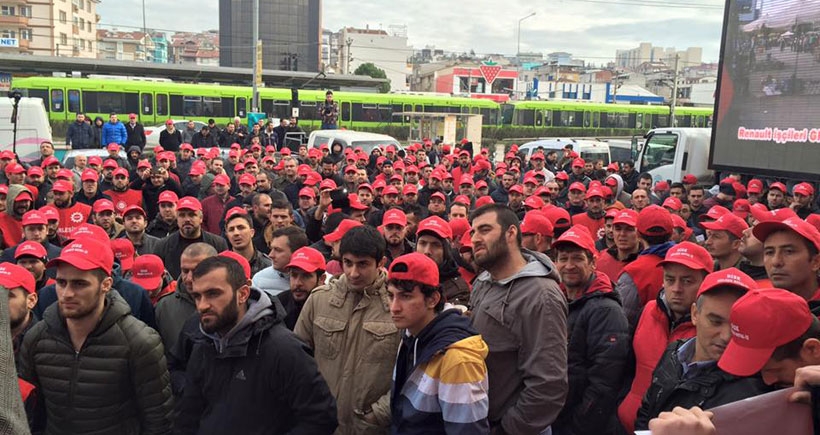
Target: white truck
{"x": 671, "y": 153}
{"x": 32, "y": 126}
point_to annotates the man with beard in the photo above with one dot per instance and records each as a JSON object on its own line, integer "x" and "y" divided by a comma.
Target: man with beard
{"x": 433, "y": 239}
{"x": 260, "y": 213}
{"x": 89, "y": 192}
{"x": 239, "y": 232}
{"x": 166, "y": 221}
{"x": 19, "y": 200}
{"x": 307, "y": 271}
{"x": 71, "y": 214}
{"x": 53, "y": 219}
{"x": 500, "y": 194}
{"x": 437, "y": 205}
{"x": 213, "y": 207}
{"x": 593, "y": 218}
{"x": 157, "y": 182}
{"x": 394, "y": 228}
{"x": 463, "y": 168}
{"x": 121, "y": 195}
{"x": 103, "y": 216}
{"x": 80, "y": 331}
{"x": 189, "y": 220}
{"x": 241, "y": 327}
{"x": 329, "y": 171}
{"x": 283, "y": 243}
{"x": 22, "y": 295}
{"x": 537, "y": 232}
{"x": 35, "y": 229}
{"x": 520, "y": 312}
{"x": 135, "y": 222}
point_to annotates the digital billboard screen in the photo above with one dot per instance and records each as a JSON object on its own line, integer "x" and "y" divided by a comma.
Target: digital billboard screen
{"x": 767, "y": 117}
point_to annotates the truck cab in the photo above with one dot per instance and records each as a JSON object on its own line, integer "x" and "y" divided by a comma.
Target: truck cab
{"x": 671, "y": 153}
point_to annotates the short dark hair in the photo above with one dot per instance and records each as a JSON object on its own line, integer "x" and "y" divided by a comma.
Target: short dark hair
{"x": 279, "y": 203}
{"x": 677, "y": 185}
{"x": 630, "y": 163}
{"x": 363, "y": 241}
{"x": 656, "y": 240}
{"x": 244, "y": 216}
{"x": 697, "y": 187}
{"x": 570, "y": 248}
{"x": 504, "y": 215}
{"x": 326, "y": 160}
{"x": 407, "y": 286}
{"x": 296, "y": 237}
{"x": 645, "y": 176}
{"x": 413, "y": 209}
{"x": 791, "y": 350}
{"x": 234, "y": 271}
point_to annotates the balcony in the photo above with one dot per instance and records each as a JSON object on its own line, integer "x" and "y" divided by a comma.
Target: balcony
{"x": 75, "y": 29}
{"x": 6, "y": 20}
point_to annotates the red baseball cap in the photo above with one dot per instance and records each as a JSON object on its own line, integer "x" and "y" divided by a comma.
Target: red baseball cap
{"x": 34, "y": 217}
{"x": 763, "y": 320}
{"x": 186, "y": 146}
{"x": 134, "y": 208}
{"x": 741, "y": 208}
{"x": 222, "y": 179}
{"x": 168, "y": 196}
{"x": 728, "y": 222}
{"x": 32, "y": 249}
{"x": 578, "y": 163}
{"x": 804, "y": 229}
{"x": 578, "y": 186}
{"x": 537, "y": 156}
{"x": 466, "y": 179}
{"x": 778, "y": 186}
{"x": 124, "y": 252}
{"x": 459, "y": 226}
{"x": 530, "y": 180}
{"x": 307, "y": 259}
{"x": 410, "y": 189}
{"x": 86, "y": 254}
{"x": 577, "y": 235}
{"x": 15, "y": 168}
{"x": 102, "y": 205}
{"x": 754, "y": 186}
{"x": 731, "y": 277}
{"x": 49, "y": 161}
{"x": 247, "y": 179}
{"x": 763, "y": 214}
{"x": 613, "y": 167}
{"x": 307, "y": 191}
{"x": 535, "y": 222}
{"x": 13, "y": 276}
{"x": 65, "y": 174}
{"x": 463, "y": 199}
{"x": 6, "y": 155}
{"x": 50, "y": 212}
{"x": 626, "y": 217}
{"x": 561, "y": 175}
{"x": 654, "y": 221}
{"x": 483, "y": 200}
{"x": 394, "y": 216}
{"x": 804, "y": 189}
{"x": 517, "y": 188}
{"x": 355, "y": 203}
{"x": 364, "y": 186}
{"x": 97, "y": 160}
{"x": 438, "y": 195}
{"x": 35, "y": 170}
{"x": 437, "y": 226}
{"x": 109, "y": 163}
{"x": 594, "y": 193}
{"x": 344, "y": 226}
{"x": 690, "y": 179}
{"x": 62, "y": 186}
{"x": 88, "y": 231}
{"x": 559, "y": 216}
{"x": 189, "y": 203}
{"x": 414, "y": 267}
{"x": 146, "y": 164}
{"x": 148, "y": 271}
{"x": 390, "y": 190}
{"x": 243, "y": 262}
{"x": 690, "y": 255}
{"x": 534, "y": 202}
{"x": 673, "y": 203}
{"x": 120, "y": 171}
{"x": 235, "y": 211}
{"x": 714, "y": 213}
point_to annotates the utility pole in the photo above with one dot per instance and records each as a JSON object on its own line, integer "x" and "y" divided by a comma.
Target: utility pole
{"x": 144, "y": 27}
{"x": 518, "y": 49}
{"x": 673, "y": 122}
{"x": 349, "y": 55}
{"x": 257, "y": 58}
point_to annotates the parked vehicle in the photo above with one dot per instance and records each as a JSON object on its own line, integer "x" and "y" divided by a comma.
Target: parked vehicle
{"x": 32, "y": 127}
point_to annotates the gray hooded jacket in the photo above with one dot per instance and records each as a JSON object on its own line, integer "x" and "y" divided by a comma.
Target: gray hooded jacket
{"x": 621, "y": 195}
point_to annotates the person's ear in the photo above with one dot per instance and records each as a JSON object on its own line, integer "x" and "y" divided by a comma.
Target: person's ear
{"x": 811, "y": 351}
{"x": 243, "y": 294}
{"x": 107, "y": 283}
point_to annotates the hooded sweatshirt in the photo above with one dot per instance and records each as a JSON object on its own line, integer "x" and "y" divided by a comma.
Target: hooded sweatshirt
{"x": 620, "y": 194}
{"x": 10, "y": 222}
{"x": 440, "y": 380}
{"x": 523, "y": 320}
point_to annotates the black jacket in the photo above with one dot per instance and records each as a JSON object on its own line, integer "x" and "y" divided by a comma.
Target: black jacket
{"x": 117, "y": 383}
{"x": 256, "y": 379}
{"x": 136, "y": 135}
{"x": 160, "y": 229}
{"x": 598, "y": 351}
{"x": 80, "y": 135}
{"x": 170, "y": 141}
{"x": 170, "y": 248}
{"x": 292, "y": 308}
{"x": 202, "y": 141}
{"x": 710, "y": 388}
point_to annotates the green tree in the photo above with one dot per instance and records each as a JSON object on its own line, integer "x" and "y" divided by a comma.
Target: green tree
{"x": 369, "y": 69}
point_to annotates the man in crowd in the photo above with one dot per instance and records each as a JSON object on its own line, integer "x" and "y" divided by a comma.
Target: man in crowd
{"x": 22, "y": 297}
{"x": 80, "y": 331}
{"x": 520, "y": 312}
{"x": 134, "y": 222}
{"x": 239, "y": 232}
{"x": 394, "y": 227}
{"x": 434, "y": 239}
{"x": 166, "y": 221}
{"x": 242, "y": 326}
{"x": 627, "y": 245}
{"x": 213, "y": 207}
{"x": 114, "y": 132}
{"x": 598, "y": 347}
{"x": 35, "y": 229}
{"x": 284, "y": 242}
{"x": 702, "y": 383}
{"x": 33, "y": 257}
{"x": 665, "y": 319}
{"x": 189, "y": 220}
{"x": 121, "y": 193}
{"x": 441, "y": 350}
{"x": 135, "y": 133}
{"x": 791, "y": 255}
{"x": 537, "y": 232}
{"x": 103, "y": 216}
{"x": 355, "y": 348}
{"x": 723, "y": 238}
{"x": 306, "y": 270}
{"x": 80, "y": 134}
{"x": 593, "y": 219}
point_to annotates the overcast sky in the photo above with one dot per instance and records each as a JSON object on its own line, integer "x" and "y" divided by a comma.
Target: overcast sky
{"x": 589, "y": 29}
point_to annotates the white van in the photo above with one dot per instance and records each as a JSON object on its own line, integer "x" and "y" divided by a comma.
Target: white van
{"x": 351, "y": 139}
{"x": 32, "y": 127}
{"x": 671, "y": 153}
{"x": 589, "y": 150}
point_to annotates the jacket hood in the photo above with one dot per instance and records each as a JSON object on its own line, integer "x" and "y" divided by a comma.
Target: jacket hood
{"x": 133, "y": 148}
{"x": 448, "y": 328}
{"x": 599, "y": 286}
{"x": 620, "y": 181}
{"x": 659, "y": 250}
{"x": 99, "y": 118}
{"x": 262, "y": 313}
{"x": 538, "y": 264}
{"x": 14, "y": 191}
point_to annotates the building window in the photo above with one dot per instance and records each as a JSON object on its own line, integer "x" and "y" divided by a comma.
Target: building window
{"x": 82, "y": 23}
{"x": 82, "y": 4}
{"x": 25, "y": 34}
{"x": 7, "y": 10}
{"x": 88, "y": 24}
{"x": 25, "y": 11}
{"x": 63, "y": 17}
{"x": 63, "y": 39}
{"x": 89, "y": 46}
{"x": 8, "y": 34}
{"x": 82, "y": 44}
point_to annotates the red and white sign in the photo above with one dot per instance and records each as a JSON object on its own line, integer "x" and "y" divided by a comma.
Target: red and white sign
{"x": 490, "y": 72}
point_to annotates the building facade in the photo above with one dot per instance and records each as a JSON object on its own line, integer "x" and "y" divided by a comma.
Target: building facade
{"x": 645, "y": 52}
{"x": 49, "y": 28}
{"x": 388, "y": 51}
{"x": 116, "y": 45}
{"x": 290, "y": 31}
{"x": 200, "y": 49}
{"x": 477, "y": 80}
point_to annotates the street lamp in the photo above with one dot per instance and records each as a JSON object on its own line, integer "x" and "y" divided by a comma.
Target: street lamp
{"x": 518, "y": 51}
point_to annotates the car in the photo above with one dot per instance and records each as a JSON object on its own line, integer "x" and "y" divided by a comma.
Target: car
{"x": 68, "y": 157}
{"x": 33, "y": 127}
{"x": 352, "y": 139}
{"x": 152, "y": 133}
{"x": 590, "y": 150}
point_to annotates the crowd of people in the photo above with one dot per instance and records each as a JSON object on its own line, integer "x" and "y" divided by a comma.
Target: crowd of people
{"x": 427, "y": 289}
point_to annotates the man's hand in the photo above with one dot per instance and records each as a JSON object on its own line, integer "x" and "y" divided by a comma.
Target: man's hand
{"x": 694, "y": 421}
{"x": 805, "y": 378}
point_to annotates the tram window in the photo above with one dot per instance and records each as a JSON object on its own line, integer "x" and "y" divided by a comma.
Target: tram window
{"x": 191, "y": 106}
{"x": 110, "y": 102}
{"x": 525, "y": 117}
{"x": 345, "y": 111}
{"x": 700, "y": 122}
{"x": 307, "y": 111}
{"x": 227, "y": 107}
{"x": 489, "y": 116}
{"x": 684, "y": 120}
{"x": 74, "y": 101}
{"x": 40, "y": 93}
{"x": 614, "y": 120}
{"x": 241, "y": 107}
{"x": 570, "y": 119}
{"x": 56, "y": 100}
{"x": 632, "y": 120}
{"x": 176, "y": 105}
{"x": 659, "y": 121}
{"x": 548, "y": 118}
{"x": 162, "y": 105}
{"x": 475, "y": 110}
{"x": 539, "y": 118}
{"x": 281, "y": 109}
{"x": 132, "y": 103}
{"x": 211, "y": 106}
{"x": 147, "y": 104}
{"x": 639, "y": 120}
